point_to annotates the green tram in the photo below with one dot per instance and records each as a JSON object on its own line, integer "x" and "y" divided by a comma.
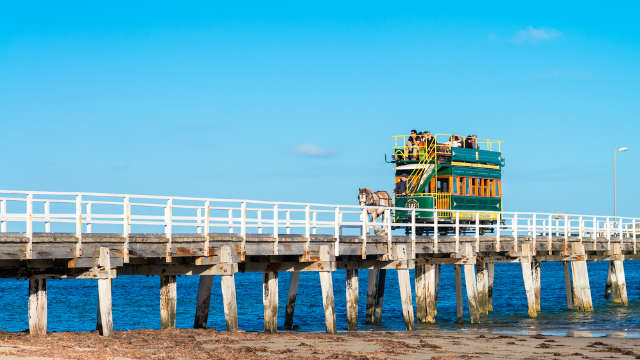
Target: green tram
{"x": 442, "y": 175}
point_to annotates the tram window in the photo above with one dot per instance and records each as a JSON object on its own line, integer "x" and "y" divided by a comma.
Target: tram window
{"x": 487, "y": 190}
{"x": 454, "y": 187}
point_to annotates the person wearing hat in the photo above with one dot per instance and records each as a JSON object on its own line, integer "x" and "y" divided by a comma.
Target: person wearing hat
{"x": 401, "y": 185}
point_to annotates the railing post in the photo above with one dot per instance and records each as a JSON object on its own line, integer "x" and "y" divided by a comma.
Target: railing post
{"x": 413, "y": 235}
{"x": 608, "y": 232}
{"x": 314, "y": 223}
{"x": 126, "y": 227}
{"x": 594, "y": 231}
{"x": 230, "y": 215}
{"x": 168, "y": 227}
{"x": 365, "y": 230}
{"x": 620, "y": 229}
{"x": 498, "y": 229}
{"x": 307, "y": 229}
{"x": 89, "y": 218}
{"x": 78, "y": 225}
{"x": 168, "y": 221}
{"x": 3, "y": 215}
{"x": 243, "y": 229}
{"x": 457, "y": 231}
{"x": 387, "y": 218}
{"x": 581, "y": 228}
{"x": 259, "y": 221}
{"x": 514, "y": 229}
{"x": 435, "y": 228}
{"x": 78, "y": 216}
{"x": 199, "y": 221}
{"x": 633, "y": 229}
{"x": 29, "y": 225}
{"x": 566, "y": 230}
{"x": 534, "y": 232}
{"x": 550, "y": 234}
{"x": 126, "y": 218}
{"x": 47, "y": 216}
{"x": 288, "y": 221}
{"x": 477, "y": 231}
{"x": 207, "y": 206}
{"x": 336, "y": 229}
{"x": 276, "y": 229}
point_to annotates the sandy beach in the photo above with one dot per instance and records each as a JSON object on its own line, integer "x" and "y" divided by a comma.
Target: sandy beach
{"x": 210, "y": 344}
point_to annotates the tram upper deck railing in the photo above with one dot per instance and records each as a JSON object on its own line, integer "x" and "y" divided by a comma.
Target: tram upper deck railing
{"x": 82, "y": 213}
{"x": 400, "y": 143}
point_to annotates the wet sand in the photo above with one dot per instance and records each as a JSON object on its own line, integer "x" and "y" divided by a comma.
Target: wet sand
{"x": 209, "y": 344}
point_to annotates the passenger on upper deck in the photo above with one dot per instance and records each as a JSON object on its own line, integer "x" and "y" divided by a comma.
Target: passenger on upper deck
{"x": 455, "y": 141}
{"x": 429, "y": 139}
{"x": 471, "y": 142}
{"x": 411, "y": 147}
{"x": 401, "y": 186}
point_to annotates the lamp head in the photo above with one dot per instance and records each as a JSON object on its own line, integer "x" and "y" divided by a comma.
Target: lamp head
{"x": 623, "y": 149}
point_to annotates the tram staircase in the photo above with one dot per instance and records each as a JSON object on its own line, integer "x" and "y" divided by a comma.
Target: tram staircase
{"x": 424, "y": 172}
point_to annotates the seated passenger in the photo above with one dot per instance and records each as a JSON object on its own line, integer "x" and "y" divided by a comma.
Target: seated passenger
{"x": 468, "y": 142}
{"x": 429, "y": 139}
{"x": 456, "y": 141}
{"x": 411, "y": 147}
{"x": 474, "y": 139}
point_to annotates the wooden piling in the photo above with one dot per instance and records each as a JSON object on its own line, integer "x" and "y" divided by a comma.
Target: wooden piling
{"x": 536, "y": 274}
{"x": 580, "y": 280}
{"x": 228, "y": 284}
{"x": 105, "y": 318}
{"x": 203, "y": 301}
{"x": 568, "y": 286}
{"x": 618, "y": 282}
{"x": 382, "y": 275}
{"x": 528, "y": 287}
{"x": 291, "y": 299}
{"x": 459, "y": 305}
{"x": 609, "y": 282}
{"x": 352, "y": 298}
{"x": 482, "y": 276}
{"x": 270, "y": 301}
{"x": 168, "y": 301}
{"x": 472, "y": 293}
{"x": 471, "y": 285}
{"x": 372, "y": 294}
{"x": 420, "y": 279}
{"x": 404, "y": 284}
{"x": 326, "y": 285}
{"x": 432, "y": 272}
{"x": 526, "y": 263}
{"x": 38, "y": 306}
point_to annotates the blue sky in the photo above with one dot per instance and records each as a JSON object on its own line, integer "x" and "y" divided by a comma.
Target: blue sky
{"x": 297, "y": 101}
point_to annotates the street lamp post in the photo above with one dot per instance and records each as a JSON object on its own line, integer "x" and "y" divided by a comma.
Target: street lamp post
{"x": 614, "y": 176}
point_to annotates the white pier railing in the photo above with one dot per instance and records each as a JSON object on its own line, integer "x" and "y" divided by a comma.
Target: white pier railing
{"x": 82, "y": 213}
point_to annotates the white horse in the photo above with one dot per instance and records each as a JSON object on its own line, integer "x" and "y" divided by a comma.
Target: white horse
{"x": 367, "y": 197}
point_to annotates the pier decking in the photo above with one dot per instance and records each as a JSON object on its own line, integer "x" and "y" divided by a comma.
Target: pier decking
{"x": 99, "y": 236}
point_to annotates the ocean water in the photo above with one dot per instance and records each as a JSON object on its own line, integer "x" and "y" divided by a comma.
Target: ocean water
{"x": 72, "y": 304}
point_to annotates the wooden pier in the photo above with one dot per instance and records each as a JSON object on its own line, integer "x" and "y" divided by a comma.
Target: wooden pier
{"x": 316, "y": 239}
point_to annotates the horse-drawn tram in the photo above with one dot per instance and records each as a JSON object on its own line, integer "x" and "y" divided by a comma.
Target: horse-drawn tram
{"x": 445, "y": 172}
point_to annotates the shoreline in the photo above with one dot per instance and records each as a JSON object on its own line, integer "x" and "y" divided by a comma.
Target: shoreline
{"x": 212, "y": 344}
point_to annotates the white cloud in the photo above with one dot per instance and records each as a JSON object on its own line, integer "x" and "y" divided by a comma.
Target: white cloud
{"x": 309, "y": 149}
{"x": 531, "y": 35}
